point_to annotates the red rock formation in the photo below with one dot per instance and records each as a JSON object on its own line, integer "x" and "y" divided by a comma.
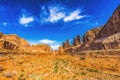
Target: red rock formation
{"x": 108, "y": 37}
{"x": 66, "y": 44}
{"x": 13, "y": 42}
{"x": 79, "y": 39}
{"x": 72, "y": 48}
{"x": 112, "y": 26}
{"x": 88, "y": 38}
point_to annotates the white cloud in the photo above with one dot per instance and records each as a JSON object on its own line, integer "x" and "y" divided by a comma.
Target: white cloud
{"x": 55, "y": 14}
{"x": 47, "y": 41}
{"x": 54, "y": 44}
{"x": 55, "y": 47}
{"x": 74, "y": 16}
{"x": 26, "y": 20}
{"x": 4, "y": 23}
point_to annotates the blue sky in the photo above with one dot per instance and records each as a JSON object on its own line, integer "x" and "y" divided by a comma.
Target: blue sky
{"x": 53, "y": 21}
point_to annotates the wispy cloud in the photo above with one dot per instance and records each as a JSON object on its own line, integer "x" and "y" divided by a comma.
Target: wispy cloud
{"x": 74, "y": 16}
{"x": 26, "y": 20}
{"x": 55, "y": 47}
{"x": 5, "y": 23}
{"x": 52, "y": 14}
{"x": 47, "y": 41}
{"x": 55, "y": 13}
{"x": 3, "y": 8}
{"x": 54, "y": 44}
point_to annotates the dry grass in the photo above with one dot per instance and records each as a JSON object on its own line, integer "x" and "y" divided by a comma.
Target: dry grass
{"x": 59, "y": 67}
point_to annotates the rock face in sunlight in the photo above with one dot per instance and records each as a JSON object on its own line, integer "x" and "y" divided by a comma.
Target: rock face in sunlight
{"x": 61, "y": 50}
{"x": 43, "y": 48}
{"x": 66, "y": 47}
{"x": 89, "y": 37}
{"x": 103, "y": 38}
{"x": 13, "y": 42}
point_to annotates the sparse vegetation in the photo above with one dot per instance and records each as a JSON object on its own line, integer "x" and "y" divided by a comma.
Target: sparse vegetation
{"x": 83, "y": 73}
{"x": 92, "y": 70}
{"x": 21, "y": 76}
{"x": 59, "y": 67}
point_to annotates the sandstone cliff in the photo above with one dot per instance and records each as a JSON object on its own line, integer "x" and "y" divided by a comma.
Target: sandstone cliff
{"x": 88, "y": 38}
{"x": 42, "y": 48}
{"x": 13, "y": 42}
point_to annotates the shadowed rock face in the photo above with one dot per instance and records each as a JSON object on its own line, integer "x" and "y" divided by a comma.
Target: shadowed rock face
{"x": 108, "y": 37}
{"x": 110, "y": 42}
{"x": 112, "y": 26}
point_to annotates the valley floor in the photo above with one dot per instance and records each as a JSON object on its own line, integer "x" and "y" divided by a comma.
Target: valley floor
{"x": 59, "y": 67}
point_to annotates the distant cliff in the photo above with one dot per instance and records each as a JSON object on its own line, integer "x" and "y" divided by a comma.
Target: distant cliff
{"x": 15, "y": 43}
{"x": 43, "y": 48}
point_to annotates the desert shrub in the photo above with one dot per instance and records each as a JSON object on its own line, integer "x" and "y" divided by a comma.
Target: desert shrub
{"x": 21, "y": 77}
{"x": 92, "y": 70}
{"x": 114, "y": 67}
{"x": 56, "y": 66}
{"x": 83, "y": 73}
{"x": 36, "y": 77}
{"x": 60, "y": 64}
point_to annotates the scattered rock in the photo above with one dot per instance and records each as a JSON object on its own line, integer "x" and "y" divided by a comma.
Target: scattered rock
{"x": 8, "y": 75}
{"x": 2, "y": 69}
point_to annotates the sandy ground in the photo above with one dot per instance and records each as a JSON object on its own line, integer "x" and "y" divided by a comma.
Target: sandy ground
{"x": 59, "y": 67}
